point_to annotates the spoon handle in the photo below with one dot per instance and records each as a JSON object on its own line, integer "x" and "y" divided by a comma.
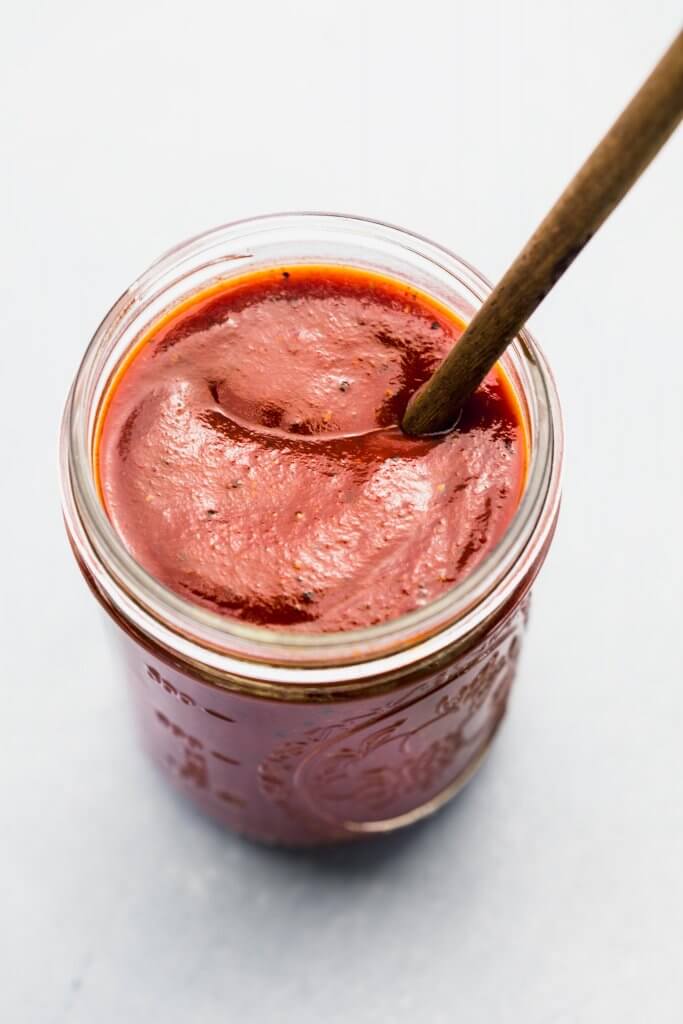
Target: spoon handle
{"x": 601, "y": 183}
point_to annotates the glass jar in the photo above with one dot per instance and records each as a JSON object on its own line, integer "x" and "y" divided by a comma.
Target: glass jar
{"x": 308, "y": 738}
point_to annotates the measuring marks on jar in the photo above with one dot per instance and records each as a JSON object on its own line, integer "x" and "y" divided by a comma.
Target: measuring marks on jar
{"x": 186, "y": 755}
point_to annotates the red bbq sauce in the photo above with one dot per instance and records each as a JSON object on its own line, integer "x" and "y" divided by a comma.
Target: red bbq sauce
{"x": 249, "y": 452}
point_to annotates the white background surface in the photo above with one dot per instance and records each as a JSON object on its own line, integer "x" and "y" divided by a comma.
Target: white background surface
{"x": 551, "y": 891}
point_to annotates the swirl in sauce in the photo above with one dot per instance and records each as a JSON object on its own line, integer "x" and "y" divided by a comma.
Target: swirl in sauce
{"x": 249, "y": 453}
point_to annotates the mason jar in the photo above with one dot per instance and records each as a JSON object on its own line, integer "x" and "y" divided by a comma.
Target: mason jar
{"x": 305, "y": 738}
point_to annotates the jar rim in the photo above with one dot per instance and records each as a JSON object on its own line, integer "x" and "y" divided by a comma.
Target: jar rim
{"x": 237, "y": 650}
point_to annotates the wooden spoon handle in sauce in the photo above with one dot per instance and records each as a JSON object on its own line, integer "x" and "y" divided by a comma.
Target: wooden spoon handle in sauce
{"x": 605, "y": 178}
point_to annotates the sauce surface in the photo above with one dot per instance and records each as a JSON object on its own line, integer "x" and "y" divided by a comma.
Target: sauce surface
{"x": 249, "y": 453}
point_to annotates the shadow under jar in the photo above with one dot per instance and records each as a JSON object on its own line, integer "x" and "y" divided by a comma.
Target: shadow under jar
{"x": 304, "y": 738}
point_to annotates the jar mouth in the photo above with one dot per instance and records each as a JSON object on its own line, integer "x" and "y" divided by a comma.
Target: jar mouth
{"x": 236, "y": 648}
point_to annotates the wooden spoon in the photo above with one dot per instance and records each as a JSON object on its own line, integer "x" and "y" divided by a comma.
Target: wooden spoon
{"x": 602, "y": 182}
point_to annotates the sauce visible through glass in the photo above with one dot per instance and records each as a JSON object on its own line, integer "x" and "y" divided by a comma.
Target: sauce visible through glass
{"x": 249, "y": 452}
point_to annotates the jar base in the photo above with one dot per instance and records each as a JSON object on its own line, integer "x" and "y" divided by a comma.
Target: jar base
{"x": 348, "y": 831}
